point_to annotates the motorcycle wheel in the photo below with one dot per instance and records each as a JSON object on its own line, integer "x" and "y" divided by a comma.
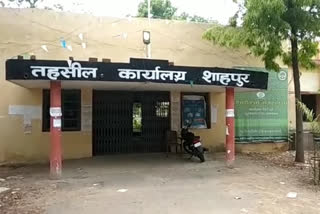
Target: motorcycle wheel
{"x": 201, "y": 157}
{"x": 187, "y": 148}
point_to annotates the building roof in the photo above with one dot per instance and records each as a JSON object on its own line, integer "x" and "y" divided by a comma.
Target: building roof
{"x": 31, "y": 31}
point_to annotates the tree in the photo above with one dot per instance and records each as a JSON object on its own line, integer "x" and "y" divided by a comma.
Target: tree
{"x": 162, "y": 9}
{"x": 32, "y": 4}
{"x": 315, "y": 130}
{"x": 265, "y": 27}
{"x": 55, "y": 6}
{"x": 194, "y": 18}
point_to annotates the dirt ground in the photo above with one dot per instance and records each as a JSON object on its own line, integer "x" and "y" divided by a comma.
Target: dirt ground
{"x": 152, "y": 183}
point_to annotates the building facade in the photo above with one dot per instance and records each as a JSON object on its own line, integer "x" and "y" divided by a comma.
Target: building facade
{"x": 54, "y": 38}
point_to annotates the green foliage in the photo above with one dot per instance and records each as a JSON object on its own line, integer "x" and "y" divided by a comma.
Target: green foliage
{"x": 230, "y": 37}
{"x": 31, "y": 3}
{"x": 308, "y": 49}
{"x": 137, "y": 125}
{"x": 266, "y": 24}
{"x": 137, "y": 117}
{"x": 315, "y": 130}
{"x": 183, "y": 16}
{"x": 159, "y": 9}
{"x": 163, "y": 9}
{"x": 194, "y": 18}
{"x": 233, "y": 21}
{"x": 315, "y": 124}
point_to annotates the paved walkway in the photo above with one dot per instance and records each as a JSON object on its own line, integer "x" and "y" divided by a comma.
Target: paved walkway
{"x": 154, "y": 184}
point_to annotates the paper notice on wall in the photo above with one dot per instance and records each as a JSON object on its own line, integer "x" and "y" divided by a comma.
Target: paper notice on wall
{"x": 27, "y": 120}
{"x": 57, "y": 123}
{"x": 86, "y": 118}
{"x": 214, "y": 114}
{"x": 28, "y": 112}
{"x": 32, "y": 112}
{"x": 27, "y": 124}
{"x": 27, "y": 128}
{"x": 16, "y": 110}
{"x": 55, "y": 112}
{"x": 229, "y": 112}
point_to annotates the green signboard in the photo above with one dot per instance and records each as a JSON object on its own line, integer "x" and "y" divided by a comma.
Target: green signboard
{"x": 263, "y": 116}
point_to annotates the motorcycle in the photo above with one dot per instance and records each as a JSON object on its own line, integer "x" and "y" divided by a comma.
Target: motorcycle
{"x": 192, "y": 144}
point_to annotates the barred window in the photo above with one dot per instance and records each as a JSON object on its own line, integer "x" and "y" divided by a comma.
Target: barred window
{"x": 71, "y": 110}
{"x": 163, "y": 109}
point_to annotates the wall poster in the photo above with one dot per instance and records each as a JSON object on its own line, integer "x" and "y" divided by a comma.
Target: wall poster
{"x": 263, "y": 116}
{"x": 194, "y": 111}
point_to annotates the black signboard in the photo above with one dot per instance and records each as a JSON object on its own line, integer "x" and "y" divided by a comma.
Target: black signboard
{"x": 138, "y": 70}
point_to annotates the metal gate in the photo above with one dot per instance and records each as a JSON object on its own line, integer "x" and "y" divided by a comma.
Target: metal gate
{"x": 113, "y": 121}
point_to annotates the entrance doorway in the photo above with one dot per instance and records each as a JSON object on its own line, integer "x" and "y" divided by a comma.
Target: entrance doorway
{"x": 129, "y": 122}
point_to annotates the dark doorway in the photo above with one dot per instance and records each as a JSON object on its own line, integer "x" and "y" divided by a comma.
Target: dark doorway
{"x": 310, "y": 100}
{"x": 129, "y": 122}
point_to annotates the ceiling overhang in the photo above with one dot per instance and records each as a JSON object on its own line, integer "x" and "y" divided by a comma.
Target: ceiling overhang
{"x": 138, "y": 74}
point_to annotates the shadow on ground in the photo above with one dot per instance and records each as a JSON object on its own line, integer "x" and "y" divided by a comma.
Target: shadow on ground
{"x": 153, "y": 183}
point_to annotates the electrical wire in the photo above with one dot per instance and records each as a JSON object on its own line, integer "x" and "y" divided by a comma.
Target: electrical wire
{"x": 68, "y": 35}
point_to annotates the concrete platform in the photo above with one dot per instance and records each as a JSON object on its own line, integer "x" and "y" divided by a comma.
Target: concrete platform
{"x": 152, "y": 183}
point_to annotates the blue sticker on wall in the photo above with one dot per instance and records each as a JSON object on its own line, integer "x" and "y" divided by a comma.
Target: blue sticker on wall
{"x": 63, "y": 43}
